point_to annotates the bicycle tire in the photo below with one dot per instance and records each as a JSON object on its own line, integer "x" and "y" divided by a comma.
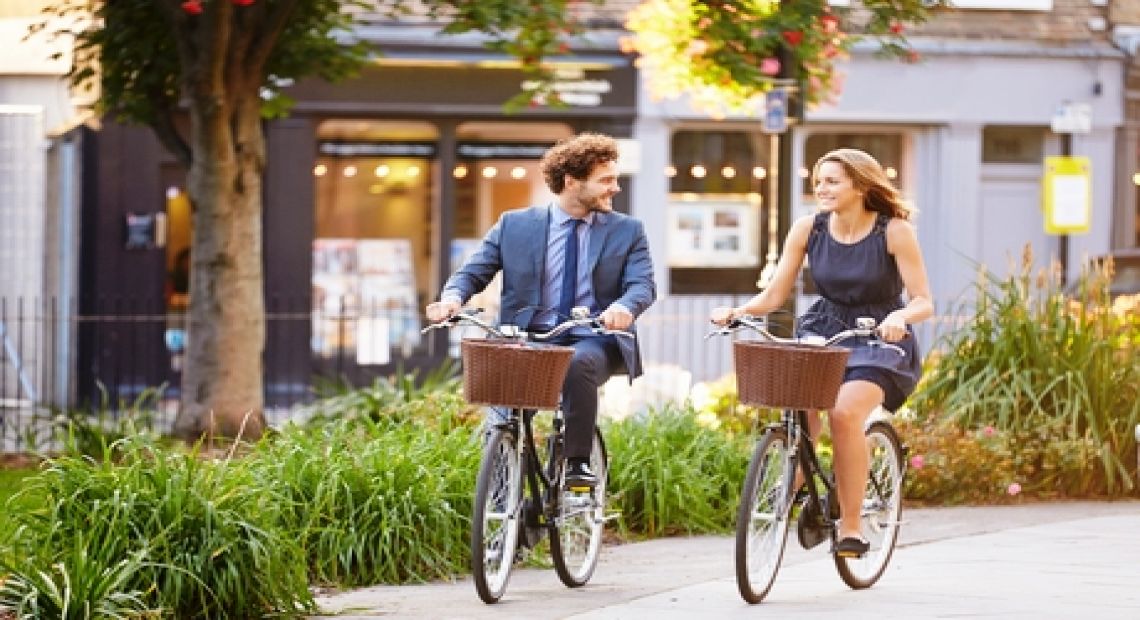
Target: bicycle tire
{"x": 576, "y": 536}
{"x": 762, "y": 519}
{"x": 496, "y": 517}
{"x": 881, "y": 512}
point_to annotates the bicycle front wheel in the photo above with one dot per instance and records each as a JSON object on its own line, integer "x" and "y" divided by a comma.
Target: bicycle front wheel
{"x": 496, "y": 517}
{"x": 762, "y": 520}
{"x": 578, "y": 527}
{"x": 882, "y": 509}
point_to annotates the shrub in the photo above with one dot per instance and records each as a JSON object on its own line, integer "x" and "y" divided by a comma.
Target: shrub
{"x": 670, "y": 474}
{"x": 1047, "y": 369}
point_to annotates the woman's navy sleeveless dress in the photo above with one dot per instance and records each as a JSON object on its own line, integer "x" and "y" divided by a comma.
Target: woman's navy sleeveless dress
{"x": 856, "y": 280}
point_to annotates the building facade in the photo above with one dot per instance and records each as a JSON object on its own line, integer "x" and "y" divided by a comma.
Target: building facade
{"x": 378, "y": 187}
{"x": 964, "y": 132}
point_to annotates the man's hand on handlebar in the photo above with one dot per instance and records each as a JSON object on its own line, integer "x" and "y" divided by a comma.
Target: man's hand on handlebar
{"x": 442, "y": 310}
{"x": 616, "y": 318}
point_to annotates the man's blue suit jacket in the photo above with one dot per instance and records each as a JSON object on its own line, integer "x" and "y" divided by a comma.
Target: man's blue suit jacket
{"x": 621, "y": 269}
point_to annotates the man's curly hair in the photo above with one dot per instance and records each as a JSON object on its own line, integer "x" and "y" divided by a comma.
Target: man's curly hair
{"x": 576, "y": 157}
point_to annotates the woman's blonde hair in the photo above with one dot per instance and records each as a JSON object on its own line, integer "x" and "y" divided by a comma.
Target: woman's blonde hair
{"x": 867, "y": 175}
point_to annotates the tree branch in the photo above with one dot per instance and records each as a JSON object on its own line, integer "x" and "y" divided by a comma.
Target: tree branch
{"x": 265, "y": 40}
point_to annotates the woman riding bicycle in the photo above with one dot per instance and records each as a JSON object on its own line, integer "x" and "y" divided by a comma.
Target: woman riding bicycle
{"x": 863, "y": 252}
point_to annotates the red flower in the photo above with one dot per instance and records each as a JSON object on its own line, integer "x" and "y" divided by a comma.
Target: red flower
{"x": 243, "y": 2}
{"x": 896, "y": 27}
{"x": 793, "y": 37}
{"x": 913, "y": 56}
{"x": 192, "y": 7}
{"x": 830, "y": 23}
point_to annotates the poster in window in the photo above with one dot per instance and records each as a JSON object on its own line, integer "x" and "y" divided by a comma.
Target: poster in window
{"x": 713, "y": 233}
{"x": 387, "y": 292}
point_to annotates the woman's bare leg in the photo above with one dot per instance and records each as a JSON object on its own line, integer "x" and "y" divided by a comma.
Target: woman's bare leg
{"x": 857, "y": 399}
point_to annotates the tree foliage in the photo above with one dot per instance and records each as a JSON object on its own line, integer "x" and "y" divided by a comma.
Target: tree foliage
{"x": 726, "y": 53}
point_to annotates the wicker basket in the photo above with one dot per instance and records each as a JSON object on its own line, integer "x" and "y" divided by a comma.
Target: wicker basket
{"x": 789, "y": 376}
{"x": 514, "y": 374}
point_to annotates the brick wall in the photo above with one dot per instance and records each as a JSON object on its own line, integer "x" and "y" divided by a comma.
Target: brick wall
{"x": 1068, "y": 21}
{"x": 1124, "y": 12}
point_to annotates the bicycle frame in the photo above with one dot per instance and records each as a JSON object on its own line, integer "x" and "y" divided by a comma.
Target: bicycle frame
{"x": 540, "y": 480}
{"x": 802, "y": 451}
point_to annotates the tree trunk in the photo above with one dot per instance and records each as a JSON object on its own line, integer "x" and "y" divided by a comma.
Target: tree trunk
{"x": 222, "y": 385}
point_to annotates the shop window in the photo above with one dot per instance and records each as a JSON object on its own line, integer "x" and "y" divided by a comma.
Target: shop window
{"x": 497, "y": 170}
{"x": 718, "y": 210}
{"x": 1013, "y": 145}
{"x": 373, "y": 260}
{"x": 887, "y": 148}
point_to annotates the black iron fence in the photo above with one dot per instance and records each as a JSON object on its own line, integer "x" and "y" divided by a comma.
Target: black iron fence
{"x": 103, "y": 355}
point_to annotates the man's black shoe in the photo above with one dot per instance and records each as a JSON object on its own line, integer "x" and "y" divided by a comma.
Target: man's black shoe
{"x": 579, "y": 476}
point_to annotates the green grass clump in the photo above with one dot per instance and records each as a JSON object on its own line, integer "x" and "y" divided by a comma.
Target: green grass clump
{"x": 155, "y": 529}
{"x": 375, "y": 502}
{"x": 669, "y": 474}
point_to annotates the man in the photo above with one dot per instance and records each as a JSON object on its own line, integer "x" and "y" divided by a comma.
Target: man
{"x": 573, "y": 252}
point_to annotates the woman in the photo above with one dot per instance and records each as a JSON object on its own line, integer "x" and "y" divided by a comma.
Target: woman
{"x": 863, "y": 253}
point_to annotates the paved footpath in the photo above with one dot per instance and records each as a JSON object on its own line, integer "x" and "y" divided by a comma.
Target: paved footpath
{"x": 1051, "y": 560}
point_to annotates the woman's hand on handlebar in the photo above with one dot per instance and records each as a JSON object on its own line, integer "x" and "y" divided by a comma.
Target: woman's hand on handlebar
{"x": 442, "y": 310}
{"x": 893, "y": 328}
{"x": 724, "y": 315}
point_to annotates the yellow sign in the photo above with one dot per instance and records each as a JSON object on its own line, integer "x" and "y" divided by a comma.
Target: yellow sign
{"x": 1067, "y": 195}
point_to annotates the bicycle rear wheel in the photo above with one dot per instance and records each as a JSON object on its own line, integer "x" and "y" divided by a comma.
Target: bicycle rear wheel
{"x": 577, "y": 539}
{"x": 496, "y": 517}
{"x": 762, "y": 520}
{"x": 882, "y": 509}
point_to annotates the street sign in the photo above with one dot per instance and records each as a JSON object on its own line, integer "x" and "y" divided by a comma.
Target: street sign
{"x": 1067, "y": 195}
{"x": 1072, "y": 118}
{"x": 776, "y": 111}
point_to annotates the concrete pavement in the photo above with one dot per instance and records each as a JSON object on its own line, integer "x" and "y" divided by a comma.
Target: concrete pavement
{"x": 1049, "y": 560}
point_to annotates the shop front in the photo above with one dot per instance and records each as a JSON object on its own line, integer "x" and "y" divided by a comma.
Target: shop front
{"x": 376, "y": 189}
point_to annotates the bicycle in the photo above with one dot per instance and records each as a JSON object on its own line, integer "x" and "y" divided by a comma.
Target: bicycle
{"x": 520, "y": 495}
{"x": 767, "y": 496}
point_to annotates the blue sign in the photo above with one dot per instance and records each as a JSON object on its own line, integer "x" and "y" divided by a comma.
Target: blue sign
{"x": 776, "y": 111}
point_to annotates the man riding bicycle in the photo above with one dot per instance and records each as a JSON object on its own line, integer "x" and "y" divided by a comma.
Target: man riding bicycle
{"x": 575, "y": 251}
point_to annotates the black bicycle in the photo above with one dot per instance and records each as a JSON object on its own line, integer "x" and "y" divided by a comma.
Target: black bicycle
{"x": 520, "y": 495}
{"x": 768, "y": 499}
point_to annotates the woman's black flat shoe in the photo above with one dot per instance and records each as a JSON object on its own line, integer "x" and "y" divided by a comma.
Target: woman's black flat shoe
{"x": 851, "y": 547}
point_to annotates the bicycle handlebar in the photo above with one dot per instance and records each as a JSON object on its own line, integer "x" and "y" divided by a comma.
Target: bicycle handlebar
{"x": 469, "y": 316}
{"x": 865, "y": 328}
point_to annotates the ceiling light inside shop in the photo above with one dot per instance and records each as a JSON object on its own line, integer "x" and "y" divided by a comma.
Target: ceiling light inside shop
{"x": 382, "y": 171}
{"x": 412, "y": 172}
{"x": 490, "y": 172}
{"x": 698, "y": 171}
{"x": 518, "y": 172}
{"x": 804, "y": 173}
{"x": 320, "y": 170}
{"x": 670, "y": 171}
{"x": 759, "y": 172}
{"x": 460, "y": 172}
{"x": 728, "y": 172}
{"x": 891, "y": 172}
{"x": 350, "y": 171}
{"x": 1136, "y": 178}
